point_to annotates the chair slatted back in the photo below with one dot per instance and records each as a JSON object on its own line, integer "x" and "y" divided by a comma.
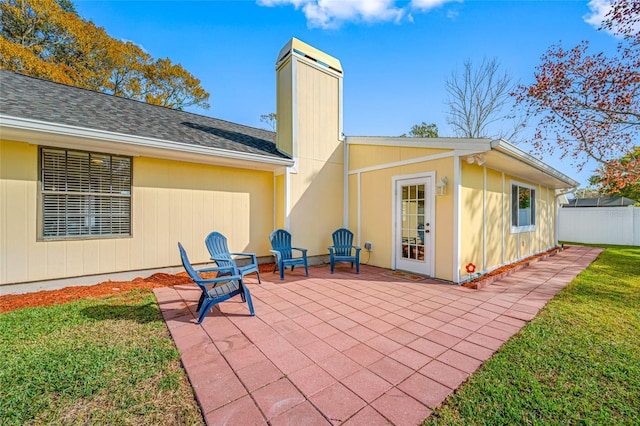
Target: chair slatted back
{"x": 342, "y": 241}
{"x": 187, "y": 266}
{"x": 281, "y": 241}
{"x": 218, "y": 249}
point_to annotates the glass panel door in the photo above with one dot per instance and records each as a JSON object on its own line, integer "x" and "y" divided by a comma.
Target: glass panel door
{"x": 413, "y": 227}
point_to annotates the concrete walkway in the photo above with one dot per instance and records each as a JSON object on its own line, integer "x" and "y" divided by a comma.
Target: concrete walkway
{"x": 350, "y": 349}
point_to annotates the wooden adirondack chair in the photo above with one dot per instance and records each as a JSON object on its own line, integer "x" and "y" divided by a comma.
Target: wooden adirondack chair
{"x": 281, "y": 248}
{"x": 222, "y": 288}
{"x": 219, "y": 252}
{"x": 343, "y": 249}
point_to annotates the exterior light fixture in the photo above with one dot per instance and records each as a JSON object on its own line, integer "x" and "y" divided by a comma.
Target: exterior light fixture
{"x": 477, "y": 158}
{"x": 441, "y": 186}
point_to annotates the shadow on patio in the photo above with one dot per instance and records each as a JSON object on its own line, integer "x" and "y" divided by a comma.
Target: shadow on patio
{"x": 351, "y": 349}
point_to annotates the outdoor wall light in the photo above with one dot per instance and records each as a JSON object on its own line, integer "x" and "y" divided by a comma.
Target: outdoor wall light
{"x": 441, "y": 186}
{"x": 477, "y": 158}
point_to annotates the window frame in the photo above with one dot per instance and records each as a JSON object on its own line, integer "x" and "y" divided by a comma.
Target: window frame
{"x": 514, "y": 212}
{"x": 91, "y": 200}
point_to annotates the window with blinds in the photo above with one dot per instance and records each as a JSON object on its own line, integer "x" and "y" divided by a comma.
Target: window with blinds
{"x": 84, "y": 194}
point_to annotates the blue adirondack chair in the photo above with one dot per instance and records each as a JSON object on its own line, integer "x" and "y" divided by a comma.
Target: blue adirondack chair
{"x": 222, "y": 288}
{"x": 219, "y": 252}
{"x": 281, "y": 248}
{"x": 343, "y": 249}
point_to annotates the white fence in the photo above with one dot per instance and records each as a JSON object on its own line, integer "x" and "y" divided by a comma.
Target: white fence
{"x": 600, "y": 225}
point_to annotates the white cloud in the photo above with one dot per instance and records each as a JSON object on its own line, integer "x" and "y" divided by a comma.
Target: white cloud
{"x": 598, "y": 9}
{"x": 429, "y": 4}
{"x": 332, "y": 13}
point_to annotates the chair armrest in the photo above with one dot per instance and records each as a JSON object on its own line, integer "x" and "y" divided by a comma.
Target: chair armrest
{"x": 303, "y": 250}
{"x": 277, "y": 254}
{"x": 217, "y": 269}
{"x": 251, "y": 255}
{"x": 336, "y": 248}
{"x": 215, "y": 281}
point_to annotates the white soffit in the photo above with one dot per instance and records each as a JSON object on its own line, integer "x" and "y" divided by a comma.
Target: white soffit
{"x": 514, "y": 161}
{"x": 499, "y": 155}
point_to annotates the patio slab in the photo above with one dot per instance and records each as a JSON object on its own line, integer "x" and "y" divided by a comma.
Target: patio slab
{"x": 352, "y": 349}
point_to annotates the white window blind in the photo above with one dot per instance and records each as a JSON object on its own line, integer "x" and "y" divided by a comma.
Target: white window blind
{"x": 84, "y": 194}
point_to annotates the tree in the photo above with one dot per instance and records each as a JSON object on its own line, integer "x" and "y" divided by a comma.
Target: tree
{"x": 479, "y": 98}
{"x": 610, "y": 188}
{"x": 270, "y": 120}
{"x": 588, "y": 104}
{"x": 48, "y": 39}
{"x": 588, "y": 192}
{"x": 422, "y": 130}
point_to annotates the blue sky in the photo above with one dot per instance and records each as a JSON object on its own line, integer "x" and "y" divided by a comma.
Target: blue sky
{"x": 396, "y": 55}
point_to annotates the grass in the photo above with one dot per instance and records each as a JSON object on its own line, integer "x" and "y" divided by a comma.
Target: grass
{"x": 577, "y": 362}
{"x": 106, "y": 360}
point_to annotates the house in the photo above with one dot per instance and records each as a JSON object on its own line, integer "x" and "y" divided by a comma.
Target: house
{"x": 93, "y": 186}
{"x": 599, "y": 202}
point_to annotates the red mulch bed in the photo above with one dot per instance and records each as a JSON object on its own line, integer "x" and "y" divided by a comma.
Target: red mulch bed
{"x": 505, "y": 270}
{"x": 49, "y": 297}
{"x": 12, "y": 302}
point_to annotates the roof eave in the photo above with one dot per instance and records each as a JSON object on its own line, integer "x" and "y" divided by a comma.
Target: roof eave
{"x": 518, "y": 154}
{"x": 54, "y": 134}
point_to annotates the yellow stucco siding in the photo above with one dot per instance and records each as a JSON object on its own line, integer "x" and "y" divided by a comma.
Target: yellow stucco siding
{"x": 377, "y": 201}
{"x": 376, "y": 214}
{"x": 316, "y": 185}
{"x": 284, "y": 106}
{"x": 318, "y": 113}
{"x": 279, "y": 201}
{"x": 486, "y": 236}
{"x": 316, "y": 204}
{"x": 471, "y": 216}
{"x": 496, "y": 221}
{"x": 364, "y": 156}
{"x": 171, "y": 201}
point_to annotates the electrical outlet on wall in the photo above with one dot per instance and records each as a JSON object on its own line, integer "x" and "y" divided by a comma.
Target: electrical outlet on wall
{"x": 368, "y": 245}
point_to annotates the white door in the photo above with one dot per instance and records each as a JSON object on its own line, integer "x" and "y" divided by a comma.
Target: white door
{"x": 413, "y": 248}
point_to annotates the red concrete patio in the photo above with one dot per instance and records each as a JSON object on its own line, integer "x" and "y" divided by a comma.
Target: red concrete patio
{"x": 351, "y": 349}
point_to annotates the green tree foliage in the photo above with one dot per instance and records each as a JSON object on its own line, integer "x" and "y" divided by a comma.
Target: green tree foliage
{"x": 588, "y": 103}
{"x": 611, "y": 188}
{"x": 48, "y": 39}
{"x": 422, "y": 130}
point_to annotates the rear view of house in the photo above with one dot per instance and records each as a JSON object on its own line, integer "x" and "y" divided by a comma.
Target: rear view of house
{"x": 92, "y": 185}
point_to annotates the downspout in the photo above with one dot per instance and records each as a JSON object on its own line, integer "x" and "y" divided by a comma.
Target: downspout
{"x": 345, "y": 199}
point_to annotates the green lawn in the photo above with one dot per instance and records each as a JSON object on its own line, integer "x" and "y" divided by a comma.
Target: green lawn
{"x": 107, "y": 360}
{"x": 577, "y": 362}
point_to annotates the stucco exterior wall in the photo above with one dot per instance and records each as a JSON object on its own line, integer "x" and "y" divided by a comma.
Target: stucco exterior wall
{"x": 279, "y": 197}
{"x": 376, "y": 198}
{"x": 171, "y": 201}
{"x": 380, "y": 154}
{"x": 316, "y": 183}
{"x": 284, "y": 108}
{"x": 486, "y": 237}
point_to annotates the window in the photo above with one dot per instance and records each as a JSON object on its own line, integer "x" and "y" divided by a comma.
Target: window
{"x": 84, "y": 194}
{"x": 523, "y": 208}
